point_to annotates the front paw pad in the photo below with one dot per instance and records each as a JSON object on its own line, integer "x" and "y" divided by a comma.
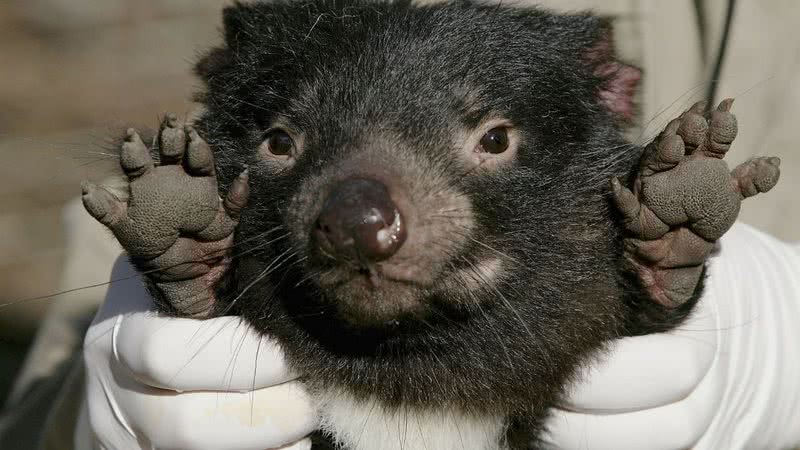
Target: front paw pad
{"x": 684, "y": 198}
{"x": 174, "y": 225}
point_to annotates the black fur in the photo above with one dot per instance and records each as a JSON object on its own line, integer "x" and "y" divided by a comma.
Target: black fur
{"x": 361, "y": 79}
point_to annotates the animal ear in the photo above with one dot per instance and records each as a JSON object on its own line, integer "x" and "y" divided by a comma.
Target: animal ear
{"x": 617, "y": 80}
{"x": 237, "y": 24}
{"x": 239, "y": 21}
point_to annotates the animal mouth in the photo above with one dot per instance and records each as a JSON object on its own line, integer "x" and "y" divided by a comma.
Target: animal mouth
{"x": 371, "y": 276}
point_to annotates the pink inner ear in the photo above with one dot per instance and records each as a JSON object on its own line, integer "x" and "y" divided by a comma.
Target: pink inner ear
{"x": 619, "y": 80}
{"x": 619, "y": 87}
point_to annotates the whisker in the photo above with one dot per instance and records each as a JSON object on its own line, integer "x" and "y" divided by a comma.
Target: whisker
{"x": 258, "y": 278}
{"x": 210, "y": 257}
{"x": 253, "y": 385}
{"x": 476, "y": 272}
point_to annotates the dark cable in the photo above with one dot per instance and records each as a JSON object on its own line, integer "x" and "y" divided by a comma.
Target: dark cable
{"x": 702, "y": 27}
{"x": 723, "y": 46}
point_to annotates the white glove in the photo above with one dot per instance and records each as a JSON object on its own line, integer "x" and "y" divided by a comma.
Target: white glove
{"x": 158, "y": 382}
{"x": 723, "y": 380}
{"x": 727, "y": 379}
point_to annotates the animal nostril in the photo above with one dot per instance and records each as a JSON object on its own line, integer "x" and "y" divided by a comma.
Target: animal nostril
{"x": 359, "y": 220}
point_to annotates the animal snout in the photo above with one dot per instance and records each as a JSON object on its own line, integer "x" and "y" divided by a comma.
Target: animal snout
{"x": 359, "y": 221}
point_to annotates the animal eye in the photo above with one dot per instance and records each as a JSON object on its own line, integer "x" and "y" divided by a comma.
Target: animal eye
{"x": 495, "y": 140}
{"x": 493, "y": 144}
{"x": 279, "y": 143}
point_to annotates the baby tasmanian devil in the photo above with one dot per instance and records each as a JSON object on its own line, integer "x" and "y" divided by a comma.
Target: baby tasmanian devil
{"x": 432, "y": 208}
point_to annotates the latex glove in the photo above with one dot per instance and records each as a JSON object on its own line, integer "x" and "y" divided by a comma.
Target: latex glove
{"x": 159, "y": 382}
{"x": 727, "y": 379}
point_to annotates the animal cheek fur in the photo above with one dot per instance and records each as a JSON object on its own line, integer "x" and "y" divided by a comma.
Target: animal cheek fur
{"x": 479, "y": 277}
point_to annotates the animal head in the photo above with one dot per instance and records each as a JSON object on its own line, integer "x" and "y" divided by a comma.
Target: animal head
{"x": 423, "y": 177}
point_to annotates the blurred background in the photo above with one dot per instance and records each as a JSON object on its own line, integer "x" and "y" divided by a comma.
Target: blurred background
{"x": 70, "y": 72}
{"x": 74, "y": 71}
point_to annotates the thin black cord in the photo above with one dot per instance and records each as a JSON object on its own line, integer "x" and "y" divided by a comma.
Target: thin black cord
{"x": 723, "y": 47}
{"x": 702, "y": 27}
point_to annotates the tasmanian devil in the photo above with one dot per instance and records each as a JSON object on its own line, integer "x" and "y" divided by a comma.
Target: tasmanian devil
{"x": 432, "y": 208}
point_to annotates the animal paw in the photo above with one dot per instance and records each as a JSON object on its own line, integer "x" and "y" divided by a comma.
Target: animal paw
{"x": 174, "y": 225}
{"x": 684, "y": 198}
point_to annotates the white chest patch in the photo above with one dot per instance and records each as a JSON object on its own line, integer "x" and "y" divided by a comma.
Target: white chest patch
{"x": 366, "y": 425}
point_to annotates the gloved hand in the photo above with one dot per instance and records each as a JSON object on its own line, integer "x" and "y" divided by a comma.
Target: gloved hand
{"x": 157, "y": 382}
{"x": 727, "y": 379}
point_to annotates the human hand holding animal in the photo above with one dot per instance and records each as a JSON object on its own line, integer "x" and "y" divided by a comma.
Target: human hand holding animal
{"x": 664, "y": 391}
{"x": 726, "y": 378}
{"x": 155, "y": 381}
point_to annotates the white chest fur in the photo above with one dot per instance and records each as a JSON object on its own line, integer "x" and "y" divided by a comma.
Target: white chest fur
{"x": 366, "y": 425}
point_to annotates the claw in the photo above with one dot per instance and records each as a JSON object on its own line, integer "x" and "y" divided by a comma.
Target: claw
{"x": 101, "y": 204}
{"x": 672, "y": 127}
{"x": 756, "y": 176}
{"x": 171, "y": 120}
{"x": 135, "y": 158}
{"x": 725, "y": 105}
{"x": 238, "y": 194}
{"x": 199, "y": 157}
{"x": 638, "y": 219}
{"x": 663, "y": 155}
{"x": 693, "y": 129}
{"x": 172, "y": 140}
{"x": 722, "y": 130}
{"x": 697, "y": 108}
